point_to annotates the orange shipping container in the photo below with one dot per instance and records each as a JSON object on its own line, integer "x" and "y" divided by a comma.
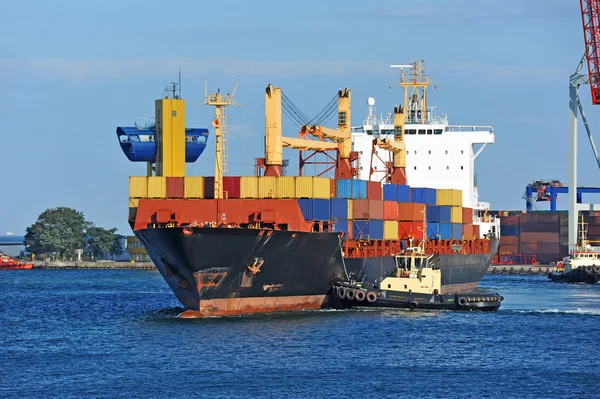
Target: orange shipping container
{"x": 419, "y": 212}
{"x": 376, "y": 209}
{"x": 467, "y": 232}
{"x": 476, "y": 231}
{"x": 541, "y": 238}
{"x": 332, "y": 187}
{"x": 175, "y": 187}
{"x": 405, "y": 211}
{"x": 367, "y": 209}
{"x": 390, "y": 210}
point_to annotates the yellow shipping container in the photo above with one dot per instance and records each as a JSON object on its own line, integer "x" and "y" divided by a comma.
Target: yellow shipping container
{"x": 286, "y": 187}
{"x": 390, "y": 230}
{"x": 304, "y": 186}
{"x": 449, "y": 197}
{"x": 456, "y": 214}
{"x": 157, "y": 187}
{"x": 249, "y": 187}
{"x": 138, "y": 187}
{"x": 193, "y": 187}
{"x": 321, "y": 188}
{"x": 134, "y": 202}
{"x": 350, "y": 209}
{"x": 267, "y": 187}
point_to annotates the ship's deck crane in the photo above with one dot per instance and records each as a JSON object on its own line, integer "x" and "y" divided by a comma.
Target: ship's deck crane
{"x": 275, "y": 141}
{"x": 220, "y": 102}
{"x": 590, "y": 18}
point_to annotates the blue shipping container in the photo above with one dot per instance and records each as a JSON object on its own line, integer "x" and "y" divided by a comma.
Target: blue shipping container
{"x": 344, "y": 188}
{"x": 321, "y": 209}
{"x": 367, "y": 229}
{"x": 339, "y": 208}
{"x": 390, "y": 192}
{"x": 446, "y": 231}
{"x": 359, "y": 189}
{"x": 430, "y": 196}
{"x": 509, "y": 230}
{"x": 342, "y": 226}
{"x": 433, "y": 213}
{"x": 306, "y": 206}
{"x": 418, "y": 195}
{"x": 403, "y": 193}
{"x": 457, "y": 231}
{"x": 433, "y": 231}
{"x": 445, "y": 214}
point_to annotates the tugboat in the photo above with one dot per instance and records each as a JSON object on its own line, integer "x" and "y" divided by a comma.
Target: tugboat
{"x": 581, "y": 266}
{"x": 414, "y": 283}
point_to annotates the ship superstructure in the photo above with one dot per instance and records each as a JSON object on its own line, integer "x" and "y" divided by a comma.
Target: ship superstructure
{"x": 438, "y": 155}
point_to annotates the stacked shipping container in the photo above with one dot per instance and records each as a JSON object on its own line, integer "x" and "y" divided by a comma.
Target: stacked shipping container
{"x": 361, "y": 209}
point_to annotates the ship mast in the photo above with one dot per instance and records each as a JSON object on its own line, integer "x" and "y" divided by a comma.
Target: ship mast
{"x": 414, "y": 84}
{"x": 220, "y": 102}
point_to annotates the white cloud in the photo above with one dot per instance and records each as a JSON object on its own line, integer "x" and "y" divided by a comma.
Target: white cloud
{"x": 79, "y": 70}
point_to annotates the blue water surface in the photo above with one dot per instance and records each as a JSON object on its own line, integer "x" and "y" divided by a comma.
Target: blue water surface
{"x": 105, "y": 334}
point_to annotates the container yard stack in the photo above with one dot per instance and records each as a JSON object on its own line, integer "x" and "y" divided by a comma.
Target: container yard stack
{"x": 539, "y": 235}
{"x": 509, "y": 236}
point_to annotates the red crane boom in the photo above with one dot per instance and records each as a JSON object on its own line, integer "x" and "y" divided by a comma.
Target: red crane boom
{"x": 590, "y": 18}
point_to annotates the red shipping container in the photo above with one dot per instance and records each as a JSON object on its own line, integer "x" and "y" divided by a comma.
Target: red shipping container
{"x": 390, "y": 210}
{"x": 375, "y": 209}
{"x": 332, "y": 188}
{"x": 541, "y": 238}
{"x": 508, "y": 249}
{"x": 374, "y": 190}
{"x": 509, "y": 220}
{"x": 476, "y": 231}
{"x": 407, "y": 230}
{"x": 405, "y": 211}
{"x": 593, "y": 220}
{"x": 231, "y": 185}
{"x": 419, "y": 212}
{"x": 593, "y": 230}
{"x": 175, "y": 187}
{"x": 544, "y": 217}
{"x": 467, "y": 216}
{"x": 509, "y": 240}
{"x": 539, "y": 227}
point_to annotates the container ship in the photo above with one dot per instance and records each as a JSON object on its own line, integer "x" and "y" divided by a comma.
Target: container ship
{"x": 231, "y": 245}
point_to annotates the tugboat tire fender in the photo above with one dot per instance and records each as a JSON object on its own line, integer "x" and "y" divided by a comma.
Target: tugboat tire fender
{"x": 341, "y": 293}
{"x": 360, "y": 296}
{"x": 596, "y": 269}
{"x": 413, "y": 304}
{"x": 371, "y": 297}
{"x": 462, "y": 301}
{"x": 350, "y": 294}
{"x": 588, "y": 269}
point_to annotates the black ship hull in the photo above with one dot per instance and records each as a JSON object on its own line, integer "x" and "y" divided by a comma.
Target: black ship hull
{"x": 225, "y": 271}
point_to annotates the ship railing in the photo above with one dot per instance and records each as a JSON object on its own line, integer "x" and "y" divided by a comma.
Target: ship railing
{"x": 145, "y": 123}
{"x": 461, "y": 128}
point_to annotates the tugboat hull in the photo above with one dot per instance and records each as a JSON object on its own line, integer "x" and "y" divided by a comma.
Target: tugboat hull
{"x": 584, "y": 275}
{"x": 353, "y": 296}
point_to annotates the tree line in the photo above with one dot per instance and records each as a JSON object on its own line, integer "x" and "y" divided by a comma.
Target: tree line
{"x": 61, "y": 231}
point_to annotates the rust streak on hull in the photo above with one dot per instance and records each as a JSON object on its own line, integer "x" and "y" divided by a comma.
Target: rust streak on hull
{"x": 245, "y": 306}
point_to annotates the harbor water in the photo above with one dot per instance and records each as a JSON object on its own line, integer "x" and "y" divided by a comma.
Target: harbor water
{"x": 114, "y": 333}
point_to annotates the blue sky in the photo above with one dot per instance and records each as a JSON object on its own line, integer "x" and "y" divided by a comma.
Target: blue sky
{"x": 72, "y": 71}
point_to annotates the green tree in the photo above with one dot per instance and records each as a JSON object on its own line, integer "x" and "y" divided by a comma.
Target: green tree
{"x": 56, "y": 230}
{"x": 100, "y": 240}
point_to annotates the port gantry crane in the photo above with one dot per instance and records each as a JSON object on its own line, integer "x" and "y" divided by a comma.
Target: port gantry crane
{"x": 590, "y": 18}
